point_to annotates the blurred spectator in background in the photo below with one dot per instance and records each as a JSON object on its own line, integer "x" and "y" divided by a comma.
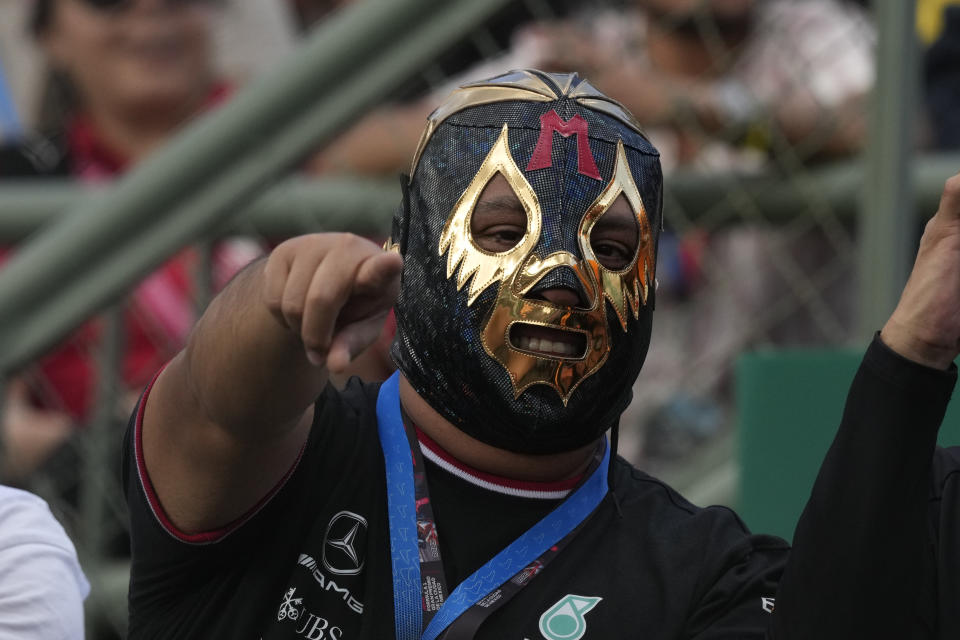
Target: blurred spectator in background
{"x": 938, "y": 22}
{"x": 715, "y": 80}
{"x": 42, "y": 586}
{"x": 249, "y": 36}
{"x": 126, "y": 74}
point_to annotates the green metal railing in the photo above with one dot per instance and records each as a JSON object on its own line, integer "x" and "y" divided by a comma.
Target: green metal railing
{"x": 887, "y": 212}
{"x": 203, "y": 177}
{"x": 294, "y": 206}
{"x": 364, "y": 205}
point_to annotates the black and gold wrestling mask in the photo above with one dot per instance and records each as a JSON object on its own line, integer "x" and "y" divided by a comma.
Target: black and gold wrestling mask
{"x": 529, "y": 232}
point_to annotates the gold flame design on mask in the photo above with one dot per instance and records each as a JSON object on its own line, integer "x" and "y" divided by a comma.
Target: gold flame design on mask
{"x": 630, "y": 286}
{"x": 484, "y": 266}
{"x": 518, "y": 269}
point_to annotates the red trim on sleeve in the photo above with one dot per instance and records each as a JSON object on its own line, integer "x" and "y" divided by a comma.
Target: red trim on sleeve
{"x": 203, "y": 537}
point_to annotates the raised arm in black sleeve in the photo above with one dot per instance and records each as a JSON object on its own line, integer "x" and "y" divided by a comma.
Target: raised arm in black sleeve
{"x": 862, "y": 558}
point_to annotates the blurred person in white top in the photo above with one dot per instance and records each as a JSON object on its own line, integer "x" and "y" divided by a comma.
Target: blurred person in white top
{"x": 42, "y": 586}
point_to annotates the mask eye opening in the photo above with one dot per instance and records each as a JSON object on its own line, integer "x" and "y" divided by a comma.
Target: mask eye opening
{"x": 615, "y": 238}
{"x": 498, "y": 222}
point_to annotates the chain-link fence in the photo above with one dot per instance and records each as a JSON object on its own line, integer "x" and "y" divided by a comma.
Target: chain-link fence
{"x": 734, "y": 274}
{"x": 746, "y": 102}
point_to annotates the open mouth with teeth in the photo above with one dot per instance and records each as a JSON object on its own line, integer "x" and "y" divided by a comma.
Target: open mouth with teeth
{"x": 548, "y": 341}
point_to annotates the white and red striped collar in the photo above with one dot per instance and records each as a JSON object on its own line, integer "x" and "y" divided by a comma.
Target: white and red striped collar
{"x": 498, "y": 484}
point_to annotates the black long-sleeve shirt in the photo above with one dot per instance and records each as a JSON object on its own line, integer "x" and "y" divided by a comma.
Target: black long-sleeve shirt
{"x": 877, "y": 550}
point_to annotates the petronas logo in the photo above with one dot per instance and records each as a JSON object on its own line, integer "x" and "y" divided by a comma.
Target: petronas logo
{"x": 564, "y": 620}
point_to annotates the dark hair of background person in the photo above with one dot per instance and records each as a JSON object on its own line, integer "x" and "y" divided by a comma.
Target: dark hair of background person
{"x": 58, "y": 99}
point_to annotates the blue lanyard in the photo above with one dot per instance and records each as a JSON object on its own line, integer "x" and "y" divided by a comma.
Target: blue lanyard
{"x": 405, "y": 557}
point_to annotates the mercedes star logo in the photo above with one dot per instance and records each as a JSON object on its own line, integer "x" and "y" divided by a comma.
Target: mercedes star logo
{"x": 340, "y": 547}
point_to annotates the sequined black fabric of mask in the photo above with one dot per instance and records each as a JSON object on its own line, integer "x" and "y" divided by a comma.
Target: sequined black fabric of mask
{"x": 449, "y": 344}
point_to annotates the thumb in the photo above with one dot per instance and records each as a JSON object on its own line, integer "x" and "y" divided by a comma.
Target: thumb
{"x": 379, "y": 274}
{"x": 950, "y": 200}
{"x": 375, "y": 288}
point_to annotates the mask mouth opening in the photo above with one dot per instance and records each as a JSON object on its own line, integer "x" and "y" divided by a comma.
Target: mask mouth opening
{"x": 548, "y": 342}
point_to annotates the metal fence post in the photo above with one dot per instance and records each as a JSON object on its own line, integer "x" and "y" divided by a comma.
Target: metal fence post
{"x": 886, "y": 223}
{"x": 97, "y": 463}
{"x": 98, "y": 468}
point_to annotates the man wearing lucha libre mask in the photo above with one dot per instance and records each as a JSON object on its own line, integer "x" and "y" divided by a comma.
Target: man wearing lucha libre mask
{"x": 475, "y": 494}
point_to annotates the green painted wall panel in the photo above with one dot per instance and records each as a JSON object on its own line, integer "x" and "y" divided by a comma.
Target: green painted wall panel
{"x": 790, "y": 404}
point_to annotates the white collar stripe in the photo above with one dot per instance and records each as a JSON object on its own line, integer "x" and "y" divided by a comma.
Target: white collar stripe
{"x": 491, "y": 486}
